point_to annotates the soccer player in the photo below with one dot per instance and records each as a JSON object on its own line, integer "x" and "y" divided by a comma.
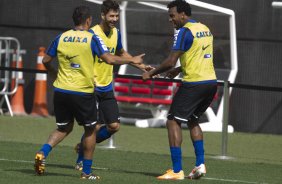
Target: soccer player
{"x": 74, "y": 86}
{"x": 193, "y": 45}
{"x": 108, "y": 120}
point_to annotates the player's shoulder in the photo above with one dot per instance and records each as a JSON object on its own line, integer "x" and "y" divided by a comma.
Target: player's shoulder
{"x": 95, "y": 27}
{"x": 73, "y": 31}
{"x": 67, "y": 32}
{"x": 182, "y": 31}
{"x": 58, "y": 36}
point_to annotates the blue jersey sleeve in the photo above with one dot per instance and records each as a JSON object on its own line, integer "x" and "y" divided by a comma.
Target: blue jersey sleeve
{"x": 98, "y": 47}
{"x": 183, "y": 40}
{"x": 52, "y": 50}
{"x": 119, "y": 44}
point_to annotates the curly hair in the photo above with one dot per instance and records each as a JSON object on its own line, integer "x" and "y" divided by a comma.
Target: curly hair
{"x": 109, "y": 5}
{"x": 181, "y": 6}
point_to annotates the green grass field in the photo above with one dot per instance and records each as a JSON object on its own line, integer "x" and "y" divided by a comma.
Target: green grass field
{"x": 141, "y": 154}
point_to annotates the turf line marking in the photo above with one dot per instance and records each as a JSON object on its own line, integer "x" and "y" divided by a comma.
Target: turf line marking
{"x": 25, "y": 161}
{"x": 101, "y": 168}
{"x": 229, "y": 180}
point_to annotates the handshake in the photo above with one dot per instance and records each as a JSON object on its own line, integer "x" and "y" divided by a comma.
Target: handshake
{"x": 152, "y": 72}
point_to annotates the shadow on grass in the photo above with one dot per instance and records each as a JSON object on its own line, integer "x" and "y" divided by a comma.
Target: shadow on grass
{"x": 108, "y": 169}
{"x": 32, "y": 173}
{"x": 135, "y": 172}
{"x": 47, "y": 173}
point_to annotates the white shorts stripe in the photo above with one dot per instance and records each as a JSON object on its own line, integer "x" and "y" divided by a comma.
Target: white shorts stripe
{"x": 180, "y": 118}
{"x": 60, "y": 124}
{"x": 90, "y": 124}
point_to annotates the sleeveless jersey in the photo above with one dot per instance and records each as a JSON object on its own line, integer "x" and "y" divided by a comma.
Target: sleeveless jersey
{"x": 103, "y": 72}
{"x": 197, "y": 62}
{"x": 76, "y": 62}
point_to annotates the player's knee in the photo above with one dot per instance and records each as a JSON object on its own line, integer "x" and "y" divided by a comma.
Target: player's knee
{"x": 113, "y": 127}
{"x": 193, "y": 124}
{"x": 195, "y": 130}
{"x": 65, "y": 128}
{"x": 98, "y": 126}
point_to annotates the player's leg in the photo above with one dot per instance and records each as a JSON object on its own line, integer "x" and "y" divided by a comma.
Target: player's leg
{"x": 89, "y": 142}
{"x": 64, "y": 121}
{"x": 175, "y": 118}
{"x": 79, "y": 146}
{"x": 108, "y": 122}
{"x": 200, "y": 168}
{"x": 175, "y": 140}
{"x": 106, "y": 131}
{"x": 85, "y": 112}
{"x": 206, "y": 94}
{"x": 197, "y": 139}
{"x": 108, "y": 116}
{"x": 79, "y": 150}
{"x": 196, "y": 135}
{"x": 56, "y": 137}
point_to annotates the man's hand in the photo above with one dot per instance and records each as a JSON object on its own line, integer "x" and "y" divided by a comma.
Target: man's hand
{"x": 138, "y": 59}
{"x": 146, "y": 76}
{"x": 143, "y": 67}
{"x": 148, "y": 68}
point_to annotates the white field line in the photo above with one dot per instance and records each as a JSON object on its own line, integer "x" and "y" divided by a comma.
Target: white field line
{"x": 22, "y": 161}
{"x": 101, "y": 168}
{"x": 25, "y": 161}
{"x": 233, "y": 181}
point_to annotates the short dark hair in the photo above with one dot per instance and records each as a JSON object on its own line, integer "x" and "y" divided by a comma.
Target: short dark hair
{"x": 80, "y": 14}
{"x": 181, "y": 6}
{"x": 109, "y": 5}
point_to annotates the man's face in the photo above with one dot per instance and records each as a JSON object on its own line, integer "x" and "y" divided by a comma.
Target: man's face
{"x": 111, "y": 18}
{"x": 175, "y": 18}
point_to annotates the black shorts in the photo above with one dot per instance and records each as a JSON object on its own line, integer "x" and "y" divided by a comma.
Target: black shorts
{"x": 68, "y": 107}
{"x": 191, "y": 101}
{"x": 108, "y": 111}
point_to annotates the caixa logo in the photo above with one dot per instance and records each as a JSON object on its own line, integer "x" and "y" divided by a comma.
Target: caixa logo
{"x": 203, "y": 34}
{"x": 75, "y": 39}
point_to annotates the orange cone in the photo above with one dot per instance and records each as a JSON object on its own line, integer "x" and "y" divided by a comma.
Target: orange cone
{"x": 17, "y": 101}
{"x": 40, "y": 93}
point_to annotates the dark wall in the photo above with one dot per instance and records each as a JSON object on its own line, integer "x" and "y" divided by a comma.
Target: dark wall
{"x": 259, "y": 26}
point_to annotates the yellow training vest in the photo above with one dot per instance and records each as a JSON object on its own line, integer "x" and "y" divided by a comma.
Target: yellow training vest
{"x": 197, "y": 62}
{"x": 103, "y": 72}
{"x": 76, "y": 62}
